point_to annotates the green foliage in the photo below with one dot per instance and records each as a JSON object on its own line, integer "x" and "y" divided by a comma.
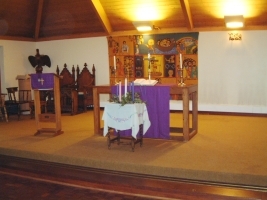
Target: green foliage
{"x": 127, "y": 99}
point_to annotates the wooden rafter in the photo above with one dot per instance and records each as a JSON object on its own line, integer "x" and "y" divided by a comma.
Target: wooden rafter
{"x": 38, "y": 19}
{"x": 187, "y": 14}
{"x": 102, "y": 15}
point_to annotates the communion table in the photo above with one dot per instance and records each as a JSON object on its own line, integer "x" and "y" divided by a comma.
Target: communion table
{"x": 157, "y": 100}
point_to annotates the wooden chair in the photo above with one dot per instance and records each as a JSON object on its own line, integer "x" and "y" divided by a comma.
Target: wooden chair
{"x": 12, "y": 104}
{"x": 68, "y": 90}
{"x": 85, "y": 84}
{"x": 3, "y": 112}
{"x": 25, "y": 97}
{"x": 20, "y": 105}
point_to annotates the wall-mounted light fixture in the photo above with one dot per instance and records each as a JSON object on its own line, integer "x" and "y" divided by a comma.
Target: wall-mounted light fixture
{"x": 234, "y": 21}
{"x": 143, "y": 25}
{"x": 235, "y": 36}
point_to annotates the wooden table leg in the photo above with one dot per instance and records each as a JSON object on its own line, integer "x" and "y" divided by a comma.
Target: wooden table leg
{"x": 186, "y": 115}
{"x": 195, "y": 111}
{"x": 96, "y": 111}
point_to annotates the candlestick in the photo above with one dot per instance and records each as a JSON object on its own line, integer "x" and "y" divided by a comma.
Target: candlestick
{"x": 114, "y": 62}
{"x": 117, "y": 87}
{"x": 181, "y": 61}
{"x": 125, "y": 87}
{"x": 133, "y": 91}
{"x": 181, "y": 83}
{"x": 115, "y": 70}
{"x": 120, "y": 91}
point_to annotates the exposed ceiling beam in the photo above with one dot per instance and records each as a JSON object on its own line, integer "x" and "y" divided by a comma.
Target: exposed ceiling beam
{"x": 187, "y": 14}
{"x": 102, "y": 15}
{"x": 16, "y": 38}
{"x": 72, "y": 36}
{"x": 38, "y": 19}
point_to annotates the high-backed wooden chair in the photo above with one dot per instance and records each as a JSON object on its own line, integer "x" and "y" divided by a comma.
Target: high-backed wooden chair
{"x": 68, "y": 90}
{"x": 85, "y": 83}
{"x": 3, "y": 112}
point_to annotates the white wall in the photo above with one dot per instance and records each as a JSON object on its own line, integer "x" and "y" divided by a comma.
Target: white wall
{"x": 232, "y": 74}
{"x": 77, "y": 52}
{"x": 15, "y": 61}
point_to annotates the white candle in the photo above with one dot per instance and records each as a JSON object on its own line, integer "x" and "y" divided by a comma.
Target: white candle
{"x": 125, "y": 87}
{"x": 117, "y": 87}
{"x": 114, "y": 62}
{"x": 148, "y": 55}
{"x": 133, "y": 91}
{"x": 181, "y": 61}
{"x": 120, "y": 91}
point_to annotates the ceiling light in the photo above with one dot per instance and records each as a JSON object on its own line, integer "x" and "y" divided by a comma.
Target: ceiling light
{"x": 234, "y": 21}
{"x": 143, "y": 25}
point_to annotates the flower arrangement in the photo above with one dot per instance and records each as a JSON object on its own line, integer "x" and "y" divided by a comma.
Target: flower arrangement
{"x": 127, "y": 99}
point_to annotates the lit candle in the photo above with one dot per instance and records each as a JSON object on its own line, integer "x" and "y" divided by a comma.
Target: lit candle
{"x": 133, "y": 91}
{"x": 181, "y": 61}
{"x": 117, "y": 87}
{"x": 114, "y": 62}
{"x": 120, "y": 91}
{"x": 125, "y": 87}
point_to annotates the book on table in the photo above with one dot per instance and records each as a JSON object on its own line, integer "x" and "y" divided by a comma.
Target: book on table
{"x": 142, "y": 81}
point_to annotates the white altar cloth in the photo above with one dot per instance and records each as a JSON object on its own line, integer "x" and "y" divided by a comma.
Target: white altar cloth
{"x": 129, "y": 116}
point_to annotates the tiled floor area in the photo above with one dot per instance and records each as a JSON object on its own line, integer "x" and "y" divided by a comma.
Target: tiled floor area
{"x": 19, "y": 187}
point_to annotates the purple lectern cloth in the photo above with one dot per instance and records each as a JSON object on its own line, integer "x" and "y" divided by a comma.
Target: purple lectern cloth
{"x": 42, "y": 81}
{"x": 157, "y": 99}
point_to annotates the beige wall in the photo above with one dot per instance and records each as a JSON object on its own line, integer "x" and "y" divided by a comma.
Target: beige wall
{"x": 232, "y": 74}
{"x": 15, "y": 61}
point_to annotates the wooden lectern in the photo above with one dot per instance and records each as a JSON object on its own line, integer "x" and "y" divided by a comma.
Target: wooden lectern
{"x": 46, "y": 81}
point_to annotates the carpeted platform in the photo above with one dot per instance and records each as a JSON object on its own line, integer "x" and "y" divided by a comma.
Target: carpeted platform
{"x": 227, "y": 149}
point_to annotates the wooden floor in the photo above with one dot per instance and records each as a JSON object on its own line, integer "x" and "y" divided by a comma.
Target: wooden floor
{"x": 22, "y": 178}
{"x": 25, "y": 187}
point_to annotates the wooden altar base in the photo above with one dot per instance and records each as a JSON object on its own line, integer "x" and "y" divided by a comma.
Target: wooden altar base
{"x": 118, "y": 139}
{"x": 176, "y": 133}
{"x": 49, "y": 130}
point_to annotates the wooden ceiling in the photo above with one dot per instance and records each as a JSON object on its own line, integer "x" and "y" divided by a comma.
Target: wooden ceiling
{"x": 42, "y": 20}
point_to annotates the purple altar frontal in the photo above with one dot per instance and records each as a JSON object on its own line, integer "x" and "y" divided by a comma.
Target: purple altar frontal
{"x": 42, "y": 81}
{"x": 157, "y": 100}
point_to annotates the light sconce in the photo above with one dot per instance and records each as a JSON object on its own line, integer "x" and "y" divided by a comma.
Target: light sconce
{"x": 235, "y": 36}
{"x": 234, "y": 21}
{"x": 143, "y": 25}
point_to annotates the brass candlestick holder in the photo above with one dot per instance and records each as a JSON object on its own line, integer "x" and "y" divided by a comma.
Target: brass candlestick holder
{"x": 128, "y": 73}
{"x": 181, "y": 82}
{"x": 115, "y": 76}
{"x": 149, "y": 61}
